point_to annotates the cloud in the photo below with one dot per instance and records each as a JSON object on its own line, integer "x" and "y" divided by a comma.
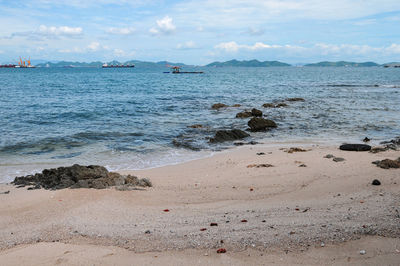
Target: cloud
{"x": 122, "y": 53}
{"x": 121, "y": 31}
{"x": 59, "y": 31}
{"x": 319, "y": 48}
{"x": 187, "y": 45}
{"x": 164, "y": 26}
{"x": 94, "y": 46}
{"x": 254, "y": 31}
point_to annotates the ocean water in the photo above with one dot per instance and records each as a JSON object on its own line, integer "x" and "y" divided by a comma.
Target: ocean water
{"x": 135, "y": 119}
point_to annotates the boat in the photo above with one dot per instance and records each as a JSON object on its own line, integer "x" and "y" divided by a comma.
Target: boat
{"x": 21, "y": 64}
{"x": 105, "y": 65}
{"x": 177, "y": 70}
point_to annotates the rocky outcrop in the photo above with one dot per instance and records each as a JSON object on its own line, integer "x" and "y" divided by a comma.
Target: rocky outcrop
{"x": 271, "y": 105}
{"x": 388, "y": 163}
{"x": 79, "y": 176}
{"x": 229, "y": 135}
{"x": 355, "y": 147}
{"x": 255, "y": 112}
{"x": 244, "y": 114}
{"x": 260, "y": 124}
{"x": 218, "y": 106}
{"x": 296, "y": 99}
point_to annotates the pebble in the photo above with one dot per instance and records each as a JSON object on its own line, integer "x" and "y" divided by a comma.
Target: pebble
{"x": 362, "y": 252}
{"x": 338, "y": 159}
{"x": 147, "y": 232}
{"x": 322, "y": 244}
{"x": 329, "y": 156}
{"x": 376, "y": 182}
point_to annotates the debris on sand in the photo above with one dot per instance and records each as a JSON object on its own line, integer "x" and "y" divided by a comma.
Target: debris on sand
{"x": 79, "y": 176}
{"x": 5, "y": 192}
{"x": 263, "y": 165}
{"x": 338, "y": 159}
{"x": 388, "y": 163}
{"x": 294, "y": 149}
{"x": 329, "y": 156}
{"x": 221, "y": 250}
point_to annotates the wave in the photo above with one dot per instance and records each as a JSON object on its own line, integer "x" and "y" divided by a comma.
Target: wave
{"x": 362, "y": 85}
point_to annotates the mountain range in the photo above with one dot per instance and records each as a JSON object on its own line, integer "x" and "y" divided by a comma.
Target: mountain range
{"x": 230, "y": 63}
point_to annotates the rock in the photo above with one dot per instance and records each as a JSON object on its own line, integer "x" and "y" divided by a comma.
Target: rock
{"x": 260, "y": 153}
{"x": 147, "y": 232}
{"x": 329, "y": 156}
{"x": 388, "y": 163}
{"x": 5, "y": 192}
{"x": 244, "y": 114}
{"x": 229, "y": 135}
{"x": 196, "y": 126}
{"x": 296, "y": 99}
{"x": 268, "y": 105}
{"x": 302, "y": 165}
{"x": 378, "y": 149}
{"x": 338, "y": 159}
{"x": 355, "y": 147}
{"x": 217, "y": 106}
{"x": 363, "y": 252}
{"x": 322, "y": 244}
{"x": 376, "y": 182}
{"x": 255, "y": 112}
{"x": 236, "y": 105}
{"x": 279, "y": 105}
{"x": 366, "y": 139}
{"x": 213, "y": 224}
{"x": 260, "y": 124}
{"x": 79, "y": 176}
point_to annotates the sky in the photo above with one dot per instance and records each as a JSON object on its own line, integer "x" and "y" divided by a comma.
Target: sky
{"x": 200, "y": 32}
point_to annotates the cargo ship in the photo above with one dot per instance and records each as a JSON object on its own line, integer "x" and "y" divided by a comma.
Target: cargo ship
{"x": 21, "y": 64}
{"x": 117, "y": 66}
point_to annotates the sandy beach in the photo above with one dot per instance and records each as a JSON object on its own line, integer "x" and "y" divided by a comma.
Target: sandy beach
{"x": 300, "y": 208}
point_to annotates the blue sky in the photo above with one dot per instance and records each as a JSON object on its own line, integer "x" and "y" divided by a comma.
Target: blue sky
{"x": 199, "y": 32}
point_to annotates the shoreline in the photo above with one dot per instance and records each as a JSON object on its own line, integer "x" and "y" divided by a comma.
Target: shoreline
{"x": 259, "y": 210}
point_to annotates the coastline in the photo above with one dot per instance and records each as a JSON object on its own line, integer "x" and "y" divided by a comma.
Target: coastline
{"x": 284, "y": 211}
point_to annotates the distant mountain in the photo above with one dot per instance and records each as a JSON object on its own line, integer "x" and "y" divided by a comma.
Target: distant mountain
{"x": 342, "y": 64}
{"x": 250, "y": 63}
{"x": 98, "y": 64}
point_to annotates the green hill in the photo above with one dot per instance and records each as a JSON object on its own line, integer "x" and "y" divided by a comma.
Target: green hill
{"x": 244, "y": 63}
{"x": 342, "y": 64}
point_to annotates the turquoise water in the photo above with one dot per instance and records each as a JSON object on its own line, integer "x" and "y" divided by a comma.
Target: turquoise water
{"x": 133, "y": 119}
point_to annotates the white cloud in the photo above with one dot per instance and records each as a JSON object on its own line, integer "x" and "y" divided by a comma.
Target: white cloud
{"x": 254, "y": 31}
{"x": 94, "y": 46}
{"x": 164, "y": 26}
{"x": 121, "y": 31}
{"x": 59, "y": 31}
{"x": 187, "y": 45}
{"x": 122, "y": 53}
{"x": 319, "y": 48}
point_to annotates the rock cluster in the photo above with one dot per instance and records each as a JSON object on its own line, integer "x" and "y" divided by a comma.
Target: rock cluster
{"x": 79, "y": 176}
{"x": 229, "y": 135}
{"x": 260, "y": 124}
{"x": 388, "y": 163}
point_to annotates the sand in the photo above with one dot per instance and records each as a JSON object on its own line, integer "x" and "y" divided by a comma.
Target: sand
{"x": 321, "y": 214}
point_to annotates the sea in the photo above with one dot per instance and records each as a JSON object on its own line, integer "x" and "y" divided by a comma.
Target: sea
{"x": 127, "y": 119}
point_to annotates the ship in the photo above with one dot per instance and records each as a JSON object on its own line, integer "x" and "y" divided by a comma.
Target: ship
{"x": 21, "y": 64}
{"x": 105, "y": 65}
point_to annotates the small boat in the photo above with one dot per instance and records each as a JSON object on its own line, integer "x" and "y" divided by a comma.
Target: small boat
{"x": 177, "y": 70}
{"x": 117, "y": 66}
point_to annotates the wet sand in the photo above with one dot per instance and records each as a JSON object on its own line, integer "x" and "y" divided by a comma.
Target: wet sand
{"x": 324, "y": 213}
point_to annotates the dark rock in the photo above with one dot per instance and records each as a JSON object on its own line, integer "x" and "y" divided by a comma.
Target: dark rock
{"x": 355, "y": 147}
{"x": 217, "y": 106}
{"x": 279, "y": 105}
{"x": 255, "y": 112}
{"x": 387, "y": 163}
{"x": 376, "y": 182}
{"x": 244, "y": 114}
{"x": 268, "y": 105}
{"x": 5, "y": 192}
{"x": 338, "y": 159}
{"x": 329, "y": 156}
{"x": 196, "y": 126}
{"x": 236, "y": 105}
{"x": 79, "y": 176}
{"x": 366, "y": 139}
{"x": 378, "y": 149}
{"x": 260, "y": 153}
{"x": 229, "y": 135}
{"x": 260, "y": 124}
{"x": 296, "y": 99}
